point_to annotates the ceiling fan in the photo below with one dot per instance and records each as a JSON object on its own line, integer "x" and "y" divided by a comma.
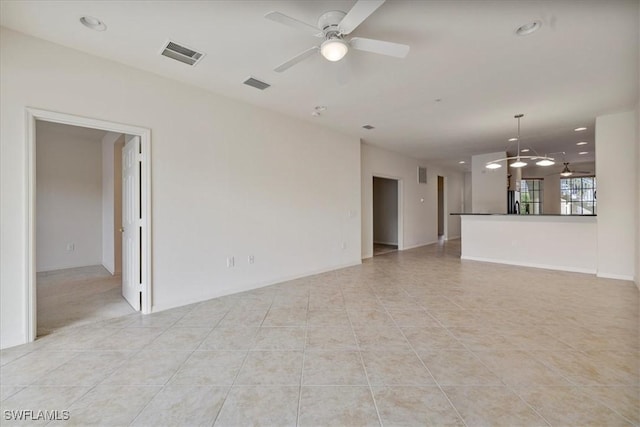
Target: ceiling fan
{"x": 566, "y": 172}
{"x": 333, "y": 26}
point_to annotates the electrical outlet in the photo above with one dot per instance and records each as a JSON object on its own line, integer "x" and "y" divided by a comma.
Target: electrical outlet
{"x": 71, "y": 247}
{"x": 251, "y": 259}
{"x": 230, "y": 262}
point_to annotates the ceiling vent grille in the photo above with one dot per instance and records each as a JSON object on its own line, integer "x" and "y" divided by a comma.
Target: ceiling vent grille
{"x": 256, "y": 83}
{"x": 368, "y": 127}
{"x": 181, "y": 53}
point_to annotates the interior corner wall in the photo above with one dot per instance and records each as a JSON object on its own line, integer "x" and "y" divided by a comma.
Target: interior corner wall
{"x": 489, "y": 185}
{"x": 419, "y": 218}
{"x": 385, "y": 211}
{"x": 68, "y": 199}
{"x": 616, "y": 147}
{"x": 228, "y": 178}
{"x": 108, "y": 200}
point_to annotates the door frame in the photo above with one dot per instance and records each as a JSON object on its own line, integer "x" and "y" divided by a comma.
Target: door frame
{"x": 400, "y": 208}
{"x": 445, "y": 208}
{"x": 33, "y": 114}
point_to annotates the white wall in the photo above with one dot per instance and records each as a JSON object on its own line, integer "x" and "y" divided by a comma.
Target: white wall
{"x": 228, "y": 179}
{"x": 108, "y": 238}
{"x": 419, "y": 218}
{"x": 616, "y": 169}
{"x": 489, "y": 193}
{"x": 555, "y": 242}
{"x": 69, "y": 199}
{"x": 385, "y": 211}
{"x": 468, "y": 191}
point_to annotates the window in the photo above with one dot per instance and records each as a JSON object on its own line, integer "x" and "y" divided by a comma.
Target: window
{"x": 578, "y": 196}
{"x": 531, "y": 197}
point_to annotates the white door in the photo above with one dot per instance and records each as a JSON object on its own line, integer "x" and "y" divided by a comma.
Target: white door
{"x": 131, "y": 223}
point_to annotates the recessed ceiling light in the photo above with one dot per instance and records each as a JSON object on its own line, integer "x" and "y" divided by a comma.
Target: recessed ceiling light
{"x": 438, "y": 99}
{"x": 524, "y": 150}
{"x": 462, "y": 162}
{"x": 583, "y": 152}
{"x": 582, "y": 143}
{"x": 529, "y": 28}
{"x": 93, "y": 23}
{"x": 580, "y": 129}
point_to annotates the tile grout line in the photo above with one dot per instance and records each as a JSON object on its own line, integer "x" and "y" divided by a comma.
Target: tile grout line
{"x": 304, "y": 351}
{"x": 497, "y": 376}
{"x": 423, "y": 364}
{"x": 235, "y": 378}
{"x": 364, "y": 367}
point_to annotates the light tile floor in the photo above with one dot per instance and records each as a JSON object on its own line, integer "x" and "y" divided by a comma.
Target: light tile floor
{"x": 78, "y": 296}
{"x": 408, "y": 338}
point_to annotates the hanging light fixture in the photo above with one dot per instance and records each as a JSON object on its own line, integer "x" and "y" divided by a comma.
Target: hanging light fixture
{"x": 566, "y": 171}
{"x": 519, "y": 160}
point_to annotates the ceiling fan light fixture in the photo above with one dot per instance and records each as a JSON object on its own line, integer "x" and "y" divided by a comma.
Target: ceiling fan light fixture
{"x": 545, "y": 162}
{"x": 493, "y": 165}
{"x": 334, "y": 49}
{"x": 518, "y": 164}
{"x": 566, "y": 171}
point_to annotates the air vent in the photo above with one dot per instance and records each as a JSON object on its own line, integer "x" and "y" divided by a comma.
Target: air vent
{"x": 422, "y": 175}
{"x": 256, "y": 83}
{"x": 368, "y": 127}
{"x": 181, "y": 53}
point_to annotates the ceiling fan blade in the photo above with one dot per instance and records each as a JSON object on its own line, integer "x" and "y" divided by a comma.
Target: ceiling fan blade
{"x": 358, "y": 13}
{"x": 300, "y": 57}
{"x": 379, "y": 46}
{"x": 292, "y": 22}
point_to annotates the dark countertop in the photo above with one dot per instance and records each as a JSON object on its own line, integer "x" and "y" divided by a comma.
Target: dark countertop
{"x": 518, "y": 215}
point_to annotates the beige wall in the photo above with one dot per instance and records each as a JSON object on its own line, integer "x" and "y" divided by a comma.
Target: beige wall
{"x": 419, "y": 202}
{"x": 489, "y": 193}
{"x": 616, "y": 167}
{"x": 228, "y": 178}
{"x": 68, "y": 198}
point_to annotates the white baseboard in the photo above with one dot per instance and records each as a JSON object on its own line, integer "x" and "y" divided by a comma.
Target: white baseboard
{"x": 615, "y": 276}
{"x": 406, "y": 248}
{"x": 453, "y": 238}
{"x": 534, "y": 265}
{"x": 246, "y": 287}
{"x": 111, "y": 271}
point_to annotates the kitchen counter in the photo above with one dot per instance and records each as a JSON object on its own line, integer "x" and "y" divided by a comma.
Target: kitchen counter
{"x": 557, "y": 242}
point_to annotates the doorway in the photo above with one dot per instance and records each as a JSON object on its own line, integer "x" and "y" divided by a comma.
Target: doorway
{"x": 139, "y": 259}
{"x": 78, "y": 204}
{"x": 442, "y": 208}
{"x": 385, "y": 215}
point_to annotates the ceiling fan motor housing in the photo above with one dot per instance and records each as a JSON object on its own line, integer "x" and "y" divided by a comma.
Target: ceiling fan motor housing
{"x": 329, "y": 22}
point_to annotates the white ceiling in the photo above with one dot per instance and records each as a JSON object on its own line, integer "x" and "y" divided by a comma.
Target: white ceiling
{"x": 582, "y": 63}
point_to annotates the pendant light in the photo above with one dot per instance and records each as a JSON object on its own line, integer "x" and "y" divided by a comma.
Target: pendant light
{"x": 519, "y": 162}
